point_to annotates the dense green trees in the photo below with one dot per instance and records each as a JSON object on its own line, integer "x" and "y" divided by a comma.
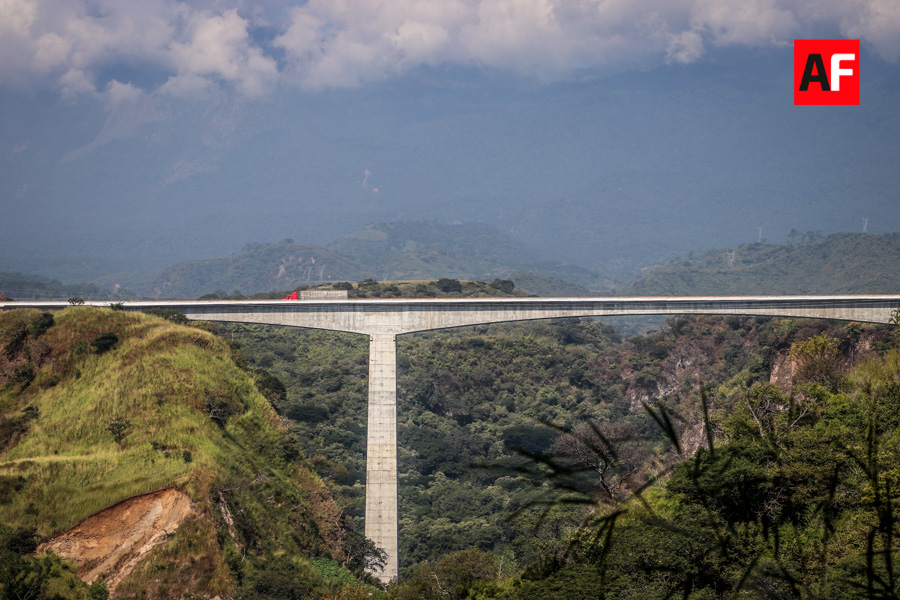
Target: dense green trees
{"x": 792, "y": 508}
{"x": 482, "y": 455}
{"x": 28, "y": 576}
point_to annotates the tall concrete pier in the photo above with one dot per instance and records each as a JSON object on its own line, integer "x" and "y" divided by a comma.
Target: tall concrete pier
{"x": 382, "y": 514}
{"x": 384, "y": 319}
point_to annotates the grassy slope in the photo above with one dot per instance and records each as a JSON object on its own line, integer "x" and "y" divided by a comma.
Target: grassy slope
{"x": 159, "y": 378}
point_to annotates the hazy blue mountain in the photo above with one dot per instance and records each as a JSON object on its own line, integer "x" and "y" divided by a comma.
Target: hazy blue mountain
{"x": 839, "y": 263}
{"x": 543, "y": 285}
{"x": 259, "y": 268}
{"x": 20, "y": 286}
{"x": 387, "y": 251}
{"x": 844, "y": 263}
{"x": 423, "y": 250}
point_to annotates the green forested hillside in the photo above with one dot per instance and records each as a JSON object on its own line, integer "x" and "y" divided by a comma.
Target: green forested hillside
{"x": 794, "y": 497}
{"x": 474, "y": 440}
{"x": 843, "y": 263}
{"x": 97, "y": 406}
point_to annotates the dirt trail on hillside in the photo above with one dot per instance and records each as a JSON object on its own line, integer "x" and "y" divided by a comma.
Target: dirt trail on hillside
{"x": 55, "y": 458}
{"x": 114, "y": 540}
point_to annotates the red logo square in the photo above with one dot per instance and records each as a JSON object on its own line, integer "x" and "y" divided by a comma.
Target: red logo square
{"x": 826, "y": 72}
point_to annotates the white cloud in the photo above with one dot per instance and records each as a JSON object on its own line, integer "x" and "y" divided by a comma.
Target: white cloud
{"x": 879, "y": 24}
{"x": 74, "y": 83}
{"x": 117, "y": 92}
{"x": 343, "y": 42}
{"x": 419, "y": 43}
{"x": 744, "y": 22}
{"x": 73, "y": 44}
{"x": 521, "y": 34}
{"x": 685, "y": 47}
{"x": 51, "y": 50}
{"x": 219, "y": 46}
{"x": 340, "y": 43}
{"x": 187, "y": 85}
{"x": 54, "y": 40}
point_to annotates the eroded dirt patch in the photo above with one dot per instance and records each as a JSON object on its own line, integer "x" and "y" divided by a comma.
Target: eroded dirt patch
{"x": 114, "y": 540}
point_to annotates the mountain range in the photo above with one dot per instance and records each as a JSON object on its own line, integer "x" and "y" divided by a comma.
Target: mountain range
{"x": 842, "y": 263}
{"x": 386, "y": 251}
{"x": 808, "y": 264}
{"x": 838, "y": 263}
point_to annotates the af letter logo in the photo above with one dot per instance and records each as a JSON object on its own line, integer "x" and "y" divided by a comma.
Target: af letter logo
{"x": 826, "y": 72}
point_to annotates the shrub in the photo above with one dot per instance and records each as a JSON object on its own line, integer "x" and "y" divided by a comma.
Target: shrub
{"x": 98, "y": 591}
{"x": 817, "y": 359}
{"x": 169, "y": 315}
{"x": 449, "y": 285}
{"x": 504, "y": 285}
{"x": 219, "y": 407}
{"x": 105, "y": 342}
{"x": 23, "y": 373}
{"x": 308, "y": 413}
{"x": 22, "y": 541}
{"x": 119, "y": 429}
{"x": 9, "y": 486}
{"x": 271, "y": 388}
{"x": 41, "y": 323}
{"x": 278, "y": 579}
{"x": 645, "y": 378}
{"x": 14, "y": 336}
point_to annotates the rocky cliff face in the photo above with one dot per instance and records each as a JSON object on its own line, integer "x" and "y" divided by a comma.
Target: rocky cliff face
{"x": 111, "y": 543}
{"x": 726, "y": 354}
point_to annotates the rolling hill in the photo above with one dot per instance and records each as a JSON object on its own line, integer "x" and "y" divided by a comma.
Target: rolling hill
{"x": 138, "y": 449}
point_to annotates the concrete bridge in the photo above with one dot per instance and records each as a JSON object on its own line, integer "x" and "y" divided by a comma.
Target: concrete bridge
{"x": 384, "y": 319}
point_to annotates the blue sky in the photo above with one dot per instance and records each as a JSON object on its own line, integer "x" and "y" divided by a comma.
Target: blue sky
{"x": 610, "y": 132}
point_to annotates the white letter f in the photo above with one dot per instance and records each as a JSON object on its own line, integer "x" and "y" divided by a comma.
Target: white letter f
{"x": 837, "y": 71}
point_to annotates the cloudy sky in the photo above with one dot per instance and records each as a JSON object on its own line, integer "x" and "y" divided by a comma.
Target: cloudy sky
{"x": 82, "y": 48}
{"x": 137, "y": 132}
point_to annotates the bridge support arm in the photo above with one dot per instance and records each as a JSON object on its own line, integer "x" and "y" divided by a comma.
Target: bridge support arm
{"x": 381, "y": 452}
